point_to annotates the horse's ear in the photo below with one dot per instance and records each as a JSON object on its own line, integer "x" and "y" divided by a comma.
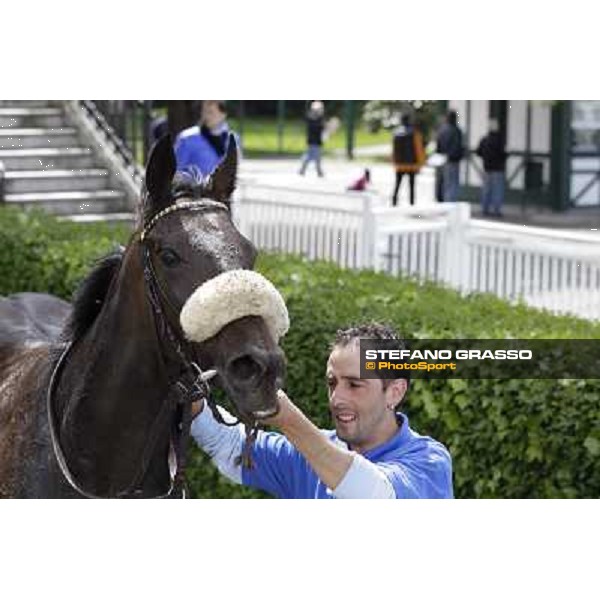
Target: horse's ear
{"x": 160, "y": 171}
{"x": 222, "y": 180}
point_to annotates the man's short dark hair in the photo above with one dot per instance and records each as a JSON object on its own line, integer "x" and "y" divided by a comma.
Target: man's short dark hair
{"x": 371, "y": 331}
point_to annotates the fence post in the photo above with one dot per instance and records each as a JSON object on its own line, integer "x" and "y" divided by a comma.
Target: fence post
{"x": 367, "y": 234}
{"x": 2, "y": 172}
{"x": 237, "y": 210}
{"x": 456, "y": 255}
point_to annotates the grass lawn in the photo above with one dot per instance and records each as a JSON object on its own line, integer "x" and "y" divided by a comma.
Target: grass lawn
{"x": 260, "y": 137}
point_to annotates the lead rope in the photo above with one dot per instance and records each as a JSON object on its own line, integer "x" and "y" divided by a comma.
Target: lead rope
{"x": 245, "y": 460}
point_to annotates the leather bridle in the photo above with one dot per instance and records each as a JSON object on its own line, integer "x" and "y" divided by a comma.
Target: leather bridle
{"x": 196, "y": 385}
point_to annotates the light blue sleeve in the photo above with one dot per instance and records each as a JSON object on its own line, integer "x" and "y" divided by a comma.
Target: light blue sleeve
{"x": 223, "y": 444}
{"x": 364, "y": 480}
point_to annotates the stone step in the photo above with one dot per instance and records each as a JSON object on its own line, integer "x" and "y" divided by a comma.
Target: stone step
{"x": 65, "y": 137}
{"x": 29, "y": 103}
{"x": 29, "y": 159}
{"x": 72, "y": 203}
{"x": 32, "y": 117}
{"x": 124, "y": 217}
{"x": 55, "y": 180}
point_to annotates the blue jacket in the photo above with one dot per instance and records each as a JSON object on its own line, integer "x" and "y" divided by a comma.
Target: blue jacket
{"x": 195, "y": 153}
{"x": 417, "y": 466}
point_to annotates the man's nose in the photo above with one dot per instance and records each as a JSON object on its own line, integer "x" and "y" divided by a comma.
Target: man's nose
{"x": 335, "y": 397}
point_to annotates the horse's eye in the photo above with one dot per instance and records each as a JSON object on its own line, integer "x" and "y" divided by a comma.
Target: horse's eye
{"x": 169, "y": 257}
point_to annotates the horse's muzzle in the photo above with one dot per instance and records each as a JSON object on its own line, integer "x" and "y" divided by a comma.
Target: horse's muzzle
{"x": 250, "y": 370}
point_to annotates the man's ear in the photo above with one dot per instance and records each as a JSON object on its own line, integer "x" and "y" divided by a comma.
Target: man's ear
{"x": 395, "y": 392}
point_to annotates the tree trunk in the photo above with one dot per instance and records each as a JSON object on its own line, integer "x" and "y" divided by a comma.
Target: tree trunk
{"x": 182, "y": 114}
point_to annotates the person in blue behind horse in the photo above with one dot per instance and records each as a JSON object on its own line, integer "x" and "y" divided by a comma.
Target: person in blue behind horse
{"x": 373, "y": 453}
{"x": 199, "y": 149}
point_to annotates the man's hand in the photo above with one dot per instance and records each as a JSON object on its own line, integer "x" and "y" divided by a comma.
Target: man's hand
{"x": 197, "y": 407}
{"x": 286, "y": 414}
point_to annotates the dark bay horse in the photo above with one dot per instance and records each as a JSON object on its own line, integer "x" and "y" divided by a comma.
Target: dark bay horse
{"x": 88, "y": 393}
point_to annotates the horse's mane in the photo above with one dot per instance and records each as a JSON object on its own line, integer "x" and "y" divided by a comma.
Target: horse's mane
{"x": 90, "y": 295}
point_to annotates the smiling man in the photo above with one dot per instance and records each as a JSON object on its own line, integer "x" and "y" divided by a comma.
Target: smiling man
{"x": 373, "y": 453}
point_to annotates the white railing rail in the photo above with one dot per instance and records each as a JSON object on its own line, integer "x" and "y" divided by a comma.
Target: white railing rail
{"x": 545, "y": 268}
{"x": 324, "y": 226}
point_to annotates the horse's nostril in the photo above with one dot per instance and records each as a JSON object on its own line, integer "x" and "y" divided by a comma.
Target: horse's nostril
{"x": 246, "y": 368}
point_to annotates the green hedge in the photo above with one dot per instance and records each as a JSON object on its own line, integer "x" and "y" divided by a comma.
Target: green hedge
{"x": 38, "y": 253}
{"x": 508, "y": 438}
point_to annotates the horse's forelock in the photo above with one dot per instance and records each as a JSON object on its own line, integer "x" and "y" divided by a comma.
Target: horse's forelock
{"x": 189, "y": 184}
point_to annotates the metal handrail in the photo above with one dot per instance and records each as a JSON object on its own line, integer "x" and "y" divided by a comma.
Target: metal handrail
{"x": 2, "y": 174}
{"x": 125, "y": 141}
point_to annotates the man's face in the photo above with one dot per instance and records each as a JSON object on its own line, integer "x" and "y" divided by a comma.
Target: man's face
{"x": 211, "y": 115}
{"x": 360, "y": 407}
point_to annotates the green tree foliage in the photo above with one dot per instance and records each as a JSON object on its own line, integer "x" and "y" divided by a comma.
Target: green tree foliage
{"x": 386, "y": 114}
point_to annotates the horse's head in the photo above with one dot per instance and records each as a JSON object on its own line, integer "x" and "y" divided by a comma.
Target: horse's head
{"x": 196, "y": 259}
{"x": 181, "y": 298}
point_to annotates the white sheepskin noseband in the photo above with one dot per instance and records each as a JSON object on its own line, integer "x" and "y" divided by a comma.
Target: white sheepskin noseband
{"x": 230, "y": 296}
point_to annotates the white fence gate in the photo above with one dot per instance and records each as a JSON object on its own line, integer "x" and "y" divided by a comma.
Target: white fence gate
{"x": 545, "y": 268}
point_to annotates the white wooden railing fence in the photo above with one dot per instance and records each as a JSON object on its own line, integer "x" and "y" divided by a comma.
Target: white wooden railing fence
{"x": 546, "y": 268}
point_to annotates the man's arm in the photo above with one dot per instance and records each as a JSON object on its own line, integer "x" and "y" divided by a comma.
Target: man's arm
{"x": 346, "y": 473}
{"x": 222, "y": 443}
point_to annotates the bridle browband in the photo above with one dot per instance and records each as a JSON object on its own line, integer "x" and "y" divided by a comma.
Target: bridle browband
{"x": 203, "y": 204}
{"x": 195, "y": 388}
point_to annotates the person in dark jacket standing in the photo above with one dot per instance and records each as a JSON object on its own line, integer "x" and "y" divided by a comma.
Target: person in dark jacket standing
{"x": 315, "y": 125}
{"x": 450, "y": 144}
{"x": 491, "y": 150}
{"x": 409, "y": 156}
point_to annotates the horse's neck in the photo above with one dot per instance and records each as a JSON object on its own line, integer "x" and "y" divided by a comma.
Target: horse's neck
{"x": 114, "y": 383}
{"x": 122, "y": 349}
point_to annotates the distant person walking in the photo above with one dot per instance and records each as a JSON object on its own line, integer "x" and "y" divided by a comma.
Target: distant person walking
{"x": 491, "y": 150}
{"x": 450, "y": 144}
{"x": 315, "y": 126}
{"x": 408, "y": 156}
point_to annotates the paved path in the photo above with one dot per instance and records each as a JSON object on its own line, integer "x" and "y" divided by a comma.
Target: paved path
{"x": 340, "y": 172}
